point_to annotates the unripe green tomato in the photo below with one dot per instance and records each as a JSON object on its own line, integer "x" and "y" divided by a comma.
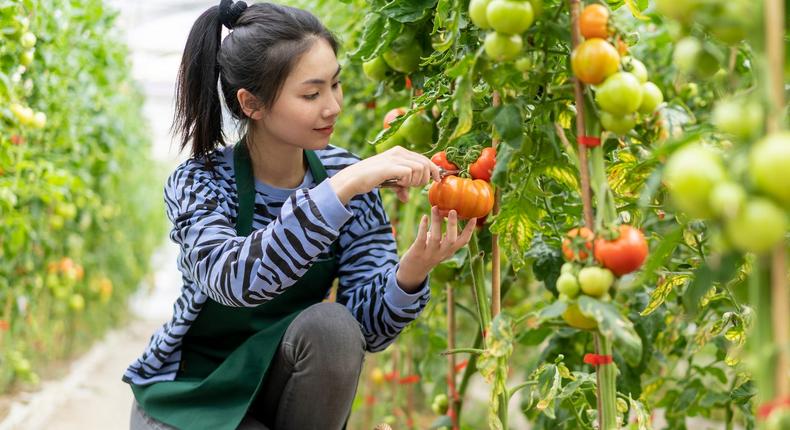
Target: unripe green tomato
{"x": 686, "y": 52}
{"x": 509, "y": 16}
{"x": 501, "y": 47}
{"x": 651, "y": 98}
{"x": 524, "y": 64}
{"x": 568, "y": 285}
{"x": 595, "y": 281}
{"x": 568, "y": 268}
{"x": 440, "y": 404}
{"x": 738, "y": 117}
{"x": 27, "y": 57}
{"x": 769, "y": 166}
{"x": 395, "y": 139}
{"x": 39, "y": 120}
{"x": 635, "y": 67}
{"x": 620, "y": 94}
{"x": 28, "y": 40}
{"x": 537, "y": 7}
{"x": 616, "y": 123}
{"x": 477, "y": 13}
{"x": 375, "y": 69}
{"x": 726, "y": 199}
{"x": 690, "y": 174}
{"x": 417, "y": 130}
{"x": 682, "y": 10}
{"x": 758, "y": 227}
{"x": 77, "y": 303}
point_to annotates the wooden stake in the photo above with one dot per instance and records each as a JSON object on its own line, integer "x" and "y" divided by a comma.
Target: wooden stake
{"x": 578, "y": 89}
{"x": 496, "y": 261}
{"x": 780, "y": 294}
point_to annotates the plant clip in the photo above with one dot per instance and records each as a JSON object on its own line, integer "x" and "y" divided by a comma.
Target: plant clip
{"x": 597, "y": 360}
{"x": 411, "y": 379}
{"x": 589, "y": 141}
{"x": 765, "y": 410}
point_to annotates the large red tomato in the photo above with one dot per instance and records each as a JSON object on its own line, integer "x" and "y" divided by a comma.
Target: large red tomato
{"x": 470, "y": 198}
{"x": 624, "y": 254}
{"x": 392, "y": 115}
{"x": 440, "y": 159}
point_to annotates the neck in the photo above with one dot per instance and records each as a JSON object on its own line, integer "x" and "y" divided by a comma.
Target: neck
{"x": 274, "y": 163}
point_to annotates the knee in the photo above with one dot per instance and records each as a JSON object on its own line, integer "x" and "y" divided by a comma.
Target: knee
{"x": 331, "y": 334}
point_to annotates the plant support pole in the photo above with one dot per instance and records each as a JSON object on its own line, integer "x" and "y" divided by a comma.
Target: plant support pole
{"x": 496, "y": 295}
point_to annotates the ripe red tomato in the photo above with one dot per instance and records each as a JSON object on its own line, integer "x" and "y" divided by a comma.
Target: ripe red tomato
{"x": 440, "y": 159}
{"x": 572, "y": 246}
{"x": 470, "y": 198}
{"x": 484, "y": 166}
{"x": 594, "y": 60}
{"x": 594, "y": 21}
{"x": 624, "y": 254}
{"x": 392, "y": 115}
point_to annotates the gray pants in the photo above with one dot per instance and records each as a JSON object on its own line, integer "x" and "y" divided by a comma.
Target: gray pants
{"x": 322, "y": 348}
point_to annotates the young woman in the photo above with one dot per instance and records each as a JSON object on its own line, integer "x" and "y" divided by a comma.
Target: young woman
{"x": 265, "y": 226}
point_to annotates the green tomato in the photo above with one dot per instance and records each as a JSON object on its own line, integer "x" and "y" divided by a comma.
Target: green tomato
{"x": 27, "y": 57}
{"x": 404, "y": 54}
{"x": 509, "y": 16}
{"x": 738, "y": 117}
{"x": 501, "y": 47}
{"x": 620, "y": 94}
{"x": 23, "y": 114}
{"x": 39, "y": 120}
{"x": 537, "y": 7}
{"x": 680, "y": 10}
{"x": 417, "y": 130}
{"x": 477, "y": 13}
{"x": 28, "y": 40}
{"x": 733, "y": 21}
{"x": 617, "y": 124}
{"x": 524, "y": 64}
{"x": 77, "y": 303}
{"x": 726, "y": 199}
{"x": 395, "y": 139}
{"x": 691, "y": 174}
{"x": 568, "y": 285}
{"x": 595, "y": 281}
{"x": 685, "y": 54}
{"x": 651, "y": 98}
{"x": 758, "y": 227}
{"x": 375, "y": 69}
{"x": 440, "y": 404}
{"x": 635, "y": 67}
{"x": 568, "y": 268}
{"x": 769, "y": 166}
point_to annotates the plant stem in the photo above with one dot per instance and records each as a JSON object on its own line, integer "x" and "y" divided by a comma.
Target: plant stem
{"x": 607, "y": 391}
{"x": 452, "y": 394}
{"x": 478, "y": 279}
{"x": 495, "y": 257}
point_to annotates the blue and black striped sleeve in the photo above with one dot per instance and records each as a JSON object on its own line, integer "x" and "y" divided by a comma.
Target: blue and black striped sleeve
{"x": 247, "y": 271}
{"x": 367, "y": 283}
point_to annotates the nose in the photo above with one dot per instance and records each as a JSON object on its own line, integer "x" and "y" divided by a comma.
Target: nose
{"x": 333, "y": 107}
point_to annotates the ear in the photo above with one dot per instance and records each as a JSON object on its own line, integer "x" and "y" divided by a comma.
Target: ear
{"x": 250, "y": 104}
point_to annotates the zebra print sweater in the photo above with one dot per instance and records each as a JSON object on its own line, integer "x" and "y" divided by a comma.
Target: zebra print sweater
{"x": 292, "y": 228}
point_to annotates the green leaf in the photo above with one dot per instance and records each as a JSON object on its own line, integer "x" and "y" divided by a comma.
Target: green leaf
{"x": 407, "y": 11}
{"x": 441, "y": 422}
{"x": 372, "y": 37}
{"x": 614, "y": 326}
{"x": 552, "y": 311}
{"x": 661, "y": 292}
{"x": 508, "y": 124}
{"x": 462, "y": 106}
{"x": 698, "y": 287}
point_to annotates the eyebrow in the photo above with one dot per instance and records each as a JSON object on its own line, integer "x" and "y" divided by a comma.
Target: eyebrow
{"x": 321, "y": 81}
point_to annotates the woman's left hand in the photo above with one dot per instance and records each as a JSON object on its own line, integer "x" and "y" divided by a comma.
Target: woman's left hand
{"x": 431, "y": 248}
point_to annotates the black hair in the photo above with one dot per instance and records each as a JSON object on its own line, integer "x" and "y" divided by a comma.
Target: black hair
{"x": 266, "y": 41}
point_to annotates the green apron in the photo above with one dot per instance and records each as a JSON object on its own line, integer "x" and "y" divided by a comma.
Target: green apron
{"x": 227, "y": 350}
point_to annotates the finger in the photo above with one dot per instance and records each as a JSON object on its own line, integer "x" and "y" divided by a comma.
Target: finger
{"x": 466, "y": 234}
{"x": 452, "y": 227}
{"x": 422, "y": 233}
{"x": 402, "y": 193}
{"x": 436, "y": 227}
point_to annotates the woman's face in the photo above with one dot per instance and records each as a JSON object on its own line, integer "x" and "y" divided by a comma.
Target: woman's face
{"x": 311, "y": 98}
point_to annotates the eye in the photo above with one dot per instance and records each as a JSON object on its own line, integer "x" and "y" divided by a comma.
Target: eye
{"x": 311, "y": 96}
{"x": 336, "y": 84}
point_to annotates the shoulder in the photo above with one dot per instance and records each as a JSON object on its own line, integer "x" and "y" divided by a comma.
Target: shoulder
{"x": 335, "y": 158}
{"x": 198, "y": 176}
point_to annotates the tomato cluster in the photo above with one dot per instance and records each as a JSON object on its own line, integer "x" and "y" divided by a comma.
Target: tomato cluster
{"x": 508, "y": 19}
{"x": 623, "y": 89}
{"x": 470, "y": 198}
{"x": 616, "y": 253}
{"x": 752, "y": 217}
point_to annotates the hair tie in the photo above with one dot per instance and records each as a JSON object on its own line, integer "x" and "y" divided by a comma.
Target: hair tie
{"x": 230, "y": 12}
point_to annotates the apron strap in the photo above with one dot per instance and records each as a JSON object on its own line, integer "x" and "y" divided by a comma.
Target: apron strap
{"x": 245, "y": 187}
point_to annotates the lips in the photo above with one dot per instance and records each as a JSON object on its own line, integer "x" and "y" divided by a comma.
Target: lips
{"x": 325, "y": 130}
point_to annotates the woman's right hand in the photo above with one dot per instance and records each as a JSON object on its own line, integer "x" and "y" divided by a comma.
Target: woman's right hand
{"x": 409, "y": 168}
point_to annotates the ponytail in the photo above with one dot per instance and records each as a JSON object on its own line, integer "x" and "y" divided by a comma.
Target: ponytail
{"x": 198, "y": 116}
